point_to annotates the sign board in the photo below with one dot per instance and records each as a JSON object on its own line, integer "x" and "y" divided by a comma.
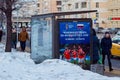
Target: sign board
{"x": 74, "y": 40}
{"x": 116, "y": 18}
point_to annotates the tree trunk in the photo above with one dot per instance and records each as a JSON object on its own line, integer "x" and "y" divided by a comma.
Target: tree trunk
{"x": 9, "y": 31}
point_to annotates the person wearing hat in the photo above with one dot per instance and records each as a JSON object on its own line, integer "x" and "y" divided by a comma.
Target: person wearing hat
{"x": 106, "y": 45}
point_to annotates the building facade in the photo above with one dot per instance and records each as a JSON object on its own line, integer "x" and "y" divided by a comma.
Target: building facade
{"x": 114, "y": 18}
{"x": 48, "y": 6}
{"x": 102, "y": 15}
{"x": 22, "y": 16}
{"x": 100, "y": 19}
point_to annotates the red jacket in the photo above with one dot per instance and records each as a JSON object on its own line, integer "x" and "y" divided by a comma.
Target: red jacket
{"x": 67, "y": 54}
{"x": 74, "y": 54}
{"x": 81, "y": 53}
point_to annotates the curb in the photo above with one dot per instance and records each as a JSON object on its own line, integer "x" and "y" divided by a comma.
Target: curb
{"x": 114, "y": 73}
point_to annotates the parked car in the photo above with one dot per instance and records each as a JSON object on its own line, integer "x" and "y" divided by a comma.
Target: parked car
{"x": 118, "y": 29}
{"x": 118, "y": 33}
{"x": 113, "y": 30}
{"x": 99, "y": 29}
{"x": 115, "y": 46}
{"x": 105, "y": 30}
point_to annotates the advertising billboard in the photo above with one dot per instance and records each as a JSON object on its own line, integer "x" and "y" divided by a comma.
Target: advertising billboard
{"x": 74, "y": 40}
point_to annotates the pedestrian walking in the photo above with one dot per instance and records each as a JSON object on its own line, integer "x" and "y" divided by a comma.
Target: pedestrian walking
{"x": 96, "y": 47}
{"x": 1, "y": 34}
{"x": 106, "y": 45}
{"x": 14, "y": 38}
{"x": 23, "y": 36}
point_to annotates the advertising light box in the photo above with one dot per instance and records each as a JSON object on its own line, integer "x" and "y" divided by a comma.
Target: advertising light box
{"x": 74, "y": 40}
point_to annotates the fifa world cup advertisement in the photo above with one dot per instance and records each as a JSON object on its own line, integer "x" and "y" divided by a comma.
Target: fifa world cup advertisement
{"x": 74, "y": 41}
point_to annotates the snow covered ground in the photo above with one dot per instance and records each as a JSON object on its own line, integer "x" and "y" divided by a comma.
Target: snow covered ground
{"x": 19, "y": 66}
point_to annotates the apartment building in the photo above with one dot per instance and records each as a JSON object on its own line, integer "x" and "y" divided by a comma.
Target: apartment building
{"x": 114, "y": 8}
{"x": 48, "y": 6}
{"x": 100, "y": 19}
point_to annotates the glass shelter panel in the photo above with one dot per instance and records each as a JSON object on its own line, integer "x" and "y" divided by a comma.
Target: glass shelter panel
{"x": 41, "y": 37}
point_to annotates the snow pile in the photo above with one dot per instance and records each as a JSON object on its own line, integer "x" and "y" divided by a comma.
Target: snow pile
{"x": 15, "y": 66}
{"x": 19, "y": 66}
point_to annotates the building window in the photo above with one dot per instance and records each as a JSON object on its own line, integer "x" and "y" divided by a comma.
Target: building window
{"x": 97, "y": 15}
{"x": 59, "y": 3}
{"x": 69, "y": 6}
{"x": 97, "y": 4}
{"x": 76, "y": 5}
{"x": 59, "y": 9}
{"x": 38, "y": 5}
{"x": 97, "y": 24}
{"x": 84, "y": 5}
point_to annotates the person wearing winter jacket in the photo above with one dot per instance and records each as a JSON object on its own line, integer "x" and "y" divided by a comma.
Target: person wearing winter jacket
{"x": 106, "y": 45}
{"x": 96, "y": 47}
{"x": 14, "y": 38}
{"x": 23, "y": 36}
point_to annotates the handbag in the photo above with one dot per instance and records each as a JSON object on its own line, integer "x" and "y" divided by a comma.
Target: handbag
{"x": 18, "y": 44}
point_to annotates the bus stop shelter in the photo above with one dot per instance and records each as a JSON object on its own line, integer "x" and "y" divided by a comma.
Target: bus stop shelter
{"x": 45, "y": 34}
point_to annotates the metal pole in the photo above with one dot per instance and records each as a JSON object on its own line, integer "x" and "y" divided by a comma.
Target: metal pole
{"x": 17, "y": 24}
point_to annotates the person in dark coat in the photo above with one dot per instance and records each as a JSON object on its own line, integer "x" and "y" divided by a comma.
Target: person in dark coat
{"x": 96, "y": 47}
{"x": 14, "y": 38}
{"x": 106, "y": 45}
{"x": 1, "y": 34}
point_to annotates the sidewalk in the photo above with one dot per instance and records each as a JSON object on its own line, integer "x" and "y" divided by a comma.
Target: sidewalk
{"x": 27, "y": 49}
{"x": 114, "y": 73}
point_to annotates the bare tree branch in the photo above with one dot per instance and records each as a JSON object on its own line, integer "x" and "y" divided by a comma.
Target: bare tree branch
{"x": 13, "y": 1}
{"x": 3, "y": 9}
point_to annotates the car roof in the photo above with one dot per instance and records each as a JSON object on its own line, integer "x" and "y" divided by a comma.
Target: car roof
{"x": 118, "y": 32}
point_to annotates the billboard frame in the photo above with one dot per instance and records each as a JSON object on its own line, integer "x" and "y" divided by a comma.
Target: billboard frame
{"x": 75, "y": 19}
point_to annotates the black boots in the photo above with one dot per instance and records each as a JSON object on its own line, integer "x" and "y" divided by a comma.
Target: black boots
{"x": 110, "y": 69}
